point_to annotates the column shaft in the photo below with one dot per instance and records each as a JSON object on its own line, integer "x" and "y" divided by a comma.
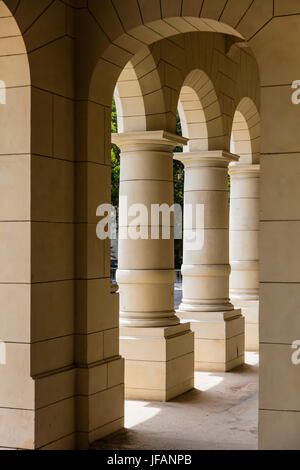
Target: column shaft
{"x": 218, "y": 327}
{"x": 244, "y": 251}
{"x": 146, "y": 276}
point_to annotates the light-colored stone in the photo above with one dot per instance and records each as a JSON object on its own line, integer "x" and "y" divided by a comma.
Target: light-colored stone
{"x": 53, "y": 55}
{"x": 244, "y": 246}
{"x": 206, "y": 269}
{"x": 146, "y": 276}
{"x": 165, "y": 370}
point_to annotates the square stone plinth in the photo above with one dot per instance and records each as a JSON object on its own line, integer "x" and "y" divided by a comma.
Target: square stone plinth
{"x": 159, "y": 362}
{"x": 219, "y": 339}
{"x": 250, "y": 310}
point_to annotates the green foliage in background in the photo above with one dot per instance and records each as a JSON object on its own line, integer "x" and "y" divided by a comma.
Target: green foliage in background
{"x": 178, "y": 170}
{"x": 115, "y": 165}
{"x": 115, "y": 161}
{"x": 178, "y": 178}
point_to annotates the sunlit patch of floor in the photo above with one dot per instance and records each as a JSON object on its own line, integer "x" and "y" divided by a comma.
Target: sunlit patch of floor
{"x": 220, "y": 413}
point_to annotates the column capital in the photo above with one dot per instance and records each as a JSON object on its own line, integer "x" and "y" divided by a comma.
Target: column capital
{"x": 242, "y": 170}
{"x": 147, "y": 139}
{"x": 206, "y": 158}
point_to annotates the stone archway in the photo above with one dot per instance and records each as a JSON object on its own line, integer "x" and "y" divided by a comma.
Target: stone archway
{"x": 108, "y": 35}
{"x": 205, "y": 269}
{"x": 246, "y": 132}
{"x": 200, "y": 113}
{"x": 256, "y": 25}
{"x": 129, "y": 102}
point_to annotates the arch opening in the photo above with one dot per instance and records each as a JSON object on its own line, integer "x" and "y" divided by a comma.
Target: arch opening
{"x": 129, "y": 101}
{"x": 245, "y": 135}
{"x": 203, "y": 123}
{"x": 200, "y": 113}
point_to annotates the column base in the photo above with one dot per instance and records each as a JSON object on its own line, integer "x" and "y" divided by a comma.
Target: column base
{"x": 250, "y": 310}
{"x": 159, "y": 362}
{"x": 219, "y": 339}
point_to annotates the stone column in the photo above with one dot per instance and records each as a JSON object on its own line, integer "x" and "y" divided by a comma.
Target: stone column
{"x": 158, "y": 350}
{"x": 244, "y": 253}
{"x": 218, "y": 327}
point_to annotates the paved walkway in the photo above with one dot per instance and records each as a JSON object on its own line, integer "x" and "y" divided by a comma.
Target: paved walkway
{"x": 220, "y": 413}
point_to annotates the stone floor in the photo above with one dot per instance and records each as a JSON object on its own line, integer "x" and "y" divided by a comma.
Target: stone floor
{"x": 220, "y": 413}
